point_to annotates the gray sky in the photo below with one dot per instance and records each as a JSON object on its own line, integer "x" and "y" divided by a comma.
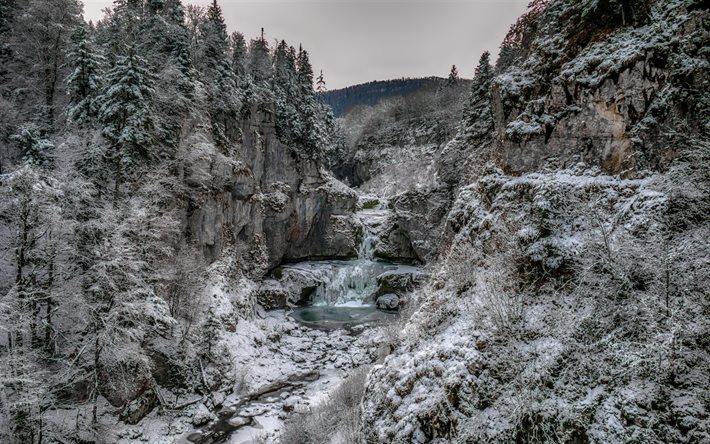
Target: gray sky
{"x": 355, "y": 41}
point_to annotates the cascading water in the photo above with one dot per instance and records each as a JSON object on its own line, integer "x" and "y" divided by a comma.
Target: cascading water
{"x": 353, "y": 282}
{"x": 344, "y": 290}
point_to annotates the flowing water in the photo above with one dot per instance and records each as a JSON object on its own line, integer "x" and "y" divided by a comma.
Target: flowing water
{"x": 344, "y": 296}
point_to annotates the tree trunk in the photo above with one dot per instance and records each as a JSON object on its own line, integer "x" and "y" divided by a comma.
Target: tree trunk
{"x": 117, "y": 179}
{"x": 48, "y": 344}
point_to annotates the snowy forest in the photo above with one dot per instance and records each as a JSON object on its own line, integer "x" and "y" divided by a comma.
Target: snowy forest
{"x": 195, "y": 249}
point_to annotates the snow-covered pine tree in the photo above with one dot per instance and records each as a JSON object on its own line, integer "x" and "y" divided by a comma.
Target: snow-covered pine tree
{"x": 305, "y": 71}
{"x": 167, "y": 34}
{"x": 126, "y": 113}
{"x": 286, "y": 91}
{"x": 84, "y": 81}
{"x": 239, "y": 54}
{"x": 211, "y": 330}
{"x": 35, "y": 148}
{"x": 478, "y": 118}
{"x": 122, "y": 27}
{"x": 219, "y": 76}
{"x": 283, "y": 66}
{"x": 260, "y": 67}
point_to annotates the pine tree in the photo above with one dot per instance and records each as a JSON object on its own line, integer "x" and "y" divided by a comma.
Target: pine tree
{"x": 126, "y": 112}
{"x": 239, "y": 54}
{"x": 478, "y": 118}
{"x": 220, "y": 78}
{"x": 305, "y": 71}
{"x": 453, "y": 76}
{"x": 260, "y": 67}
{"x": 283, "y": 66}
{"x": 211, "y": 329}
{"x": 167, "y": 34}
{"x": 84, "y": 81}
{"x": 215, "y": 35}
{"x": 320, "y": 84}
{"x": 35, "y": 149}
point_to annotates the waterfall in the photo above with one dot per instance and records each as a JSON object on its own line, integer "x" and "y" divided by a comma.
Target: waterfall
{"x": 366, "y": 251}
{"x": 354, "y": 281}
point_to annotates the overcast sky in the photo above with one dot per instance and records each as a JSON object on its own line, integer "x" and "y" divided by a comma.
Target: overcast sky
{"x": 355, "y": 41}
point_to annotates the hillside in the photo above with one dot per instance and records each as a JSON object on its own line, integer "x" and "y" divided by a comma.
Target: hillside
{"x": 369, "y": 94}
{"x": 564, "y": 225}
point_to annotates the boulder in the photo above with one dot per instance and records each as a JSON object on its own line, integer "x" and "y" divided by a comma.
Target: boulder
{"x": 202, "y": 417}
{"x": 272, "y": 295}
{"x": 289, "y": 403}
{"x": 239, "y": 421}
{"x": 420, "y": 216}
{"x": 399, "y": 281}
{"x": 393, "y": 243}
{"x": 139, "y": 408}
{"x": 389, "y": 301}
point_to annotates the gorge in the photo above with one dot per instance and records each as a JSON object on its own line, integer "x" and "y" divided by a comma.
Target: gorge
{"x": 194, "y": 249}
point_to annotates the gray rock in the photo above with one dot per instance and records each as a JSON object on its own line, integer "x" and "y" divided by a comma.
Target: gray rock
{"x": 272, "y": 203}
{"x": 239, "y": 421}
{"x": 420, "y": 216}
{"x": 139, "y": 408}
{"x": 201, "y": 417}
{"x": 218, "y": 399}
{"x": 290, "y": 403}
{"x": 399, "y": 281}
{"x": 389, "y": 301}
{"x": 272, "y": 295}
{"x": 393, "y": 243}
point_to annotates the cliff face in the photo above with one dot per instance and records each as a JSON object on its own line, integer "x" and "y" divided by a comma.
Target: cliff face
{"x": 610, "y": 104}
{"x": 627, "y": 100}
{"x": 273, "y": 204}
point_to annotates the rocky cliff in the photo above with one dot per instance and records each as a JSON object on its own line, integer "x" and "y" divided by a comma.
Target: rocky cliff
{"x": 272, "y": 202}
{"x": 623, "y": 98}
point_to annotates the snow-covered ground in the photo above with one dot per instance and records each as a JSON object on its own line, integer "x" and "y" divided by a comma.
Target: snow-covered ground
{"x": 301, "y": 364}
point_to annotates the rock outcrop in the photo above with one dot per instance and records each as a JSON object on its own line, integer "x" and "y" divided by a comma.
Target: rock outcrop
{"x": 272, "y": 201}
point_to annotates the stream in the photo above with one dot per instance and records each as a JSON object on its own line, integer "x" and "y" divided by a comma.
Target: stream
{"x": 315, "y": 345}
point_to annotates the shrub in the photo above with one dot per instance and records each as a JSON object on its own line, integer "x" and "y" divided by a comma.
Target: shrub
{"x": 338, "y": 417}
{"x": 370, "y": 204}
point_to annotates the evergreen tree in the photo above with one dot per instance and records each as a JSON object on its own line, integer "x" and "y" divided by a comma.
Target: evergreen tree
{"x": 35, "y": 149}
{"x": 126, "y": 112}
{"x": 453, "y": 76}
{"x": 84, "y": 81}
{"x": 211, "y": 329}
{"x": 305, "y": 71}
{"x": 320, "y": 84}
{"x": 478, "y": 118}
{"x": 167, "y": 33}
{"x": 239, "y": 54}
{"x": 284, "y": 67}
{"x": 260, "y": 67}
{"x": 125, "y": 24}
{"x": 215, "y": 35}
{"x": 219, "y": 74}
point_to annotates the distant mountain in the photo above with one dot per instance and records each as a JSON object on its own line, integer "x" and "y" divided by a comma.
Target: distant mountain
{"x": 342, "y": 100}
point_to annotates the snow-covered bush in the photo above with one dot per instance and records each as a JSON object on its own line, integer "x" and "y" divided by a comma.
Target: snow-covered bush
{"x": 337, "y": 419}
